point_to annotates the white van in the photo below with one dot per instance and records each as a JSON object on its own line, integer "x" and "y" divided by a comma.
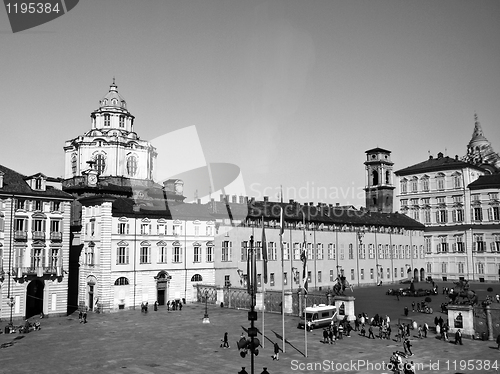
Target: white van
{"x": 320, "y": 315}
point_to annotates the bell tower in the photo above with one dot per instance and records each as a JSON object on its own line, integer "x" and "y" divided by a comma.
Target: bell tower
{"x": 379, "y": 190}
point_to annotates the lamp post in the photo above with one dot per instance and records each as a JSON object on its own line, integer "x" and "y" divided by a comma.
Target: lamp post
{"x": 252, "y": 343}
{"x": 359, "y": 235}
{"x": 11, "y": 303}
{"x": 205, "y": 317}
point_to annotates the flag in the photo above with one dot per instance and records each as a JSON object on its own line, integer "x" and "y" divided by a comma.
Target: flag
{"x": 264, "y": 252}
{"x": 282, "y": 220}
{"x": 303, "y": 258}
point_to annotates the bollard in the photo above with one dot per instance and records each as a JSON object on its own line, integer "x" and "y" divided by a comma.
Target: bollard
{"x": 265, "y": 371}
{"x": 243, "y": 371}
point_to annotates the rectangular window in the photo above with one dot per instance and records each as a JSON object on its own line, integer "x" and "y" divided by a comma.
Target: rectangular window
{"x": 244, "y": 251}
{"x": 388, "y": 273}
{"x": 296, "y": 251}
{"x": 122, "y": 255}
{"x": 197, "y": 230}
{"x": 362, "y": 251}
{"x": 226, "y": 251}
{"x": 403, "y": 272}
{"x": 123, "y": 228}
{"x": 177, "y": 230}
{"x": 227, "y": 281}
{"x": 460, "y": 267}
{"x": 332, "y": 276}
{"x": 162, "y": 254}
{"x": 480, "y": 268}
{"x": 444, "y": 267}
{"x": 106, "y": 120}
{"x": 319, "y": 276}
{"x": 319, "y": 248}
{"x": 494, "y": 213}
{"x": 479, "y": 243}
{"x": 341, "y": 252}
{"x": 352, "y": 274}
{"x": 144, "y": 257}
{"x": 442, "y": 216}
{"x": 309, "y": 251}
{"x": 309, "y": 277}
{"x": 210, "y": 253}
{"x": 271, "y": 251}
{"x": 285, "y": 278}
{"x": 286, "y": 251}
{"x": 271, "y": 279}
{"x": 122, "y": 121}
{"x": 21, "y": 204}
{"x": 362, "y": 274}
{"x": 331, "y": 251}
{"x": 428, "y": 244}
{"x": 351, "y": 252}
{"x": 371, "y": 251}
{"x": 161, "y": 229}
{"x": 177, "y": 254}
{"x": 145, "y": 229}
{"x": 478, "y": 214}
{"x": 371, "y": 273}
{"x": 38, "y": 205}
{"x": 196, "y": 253}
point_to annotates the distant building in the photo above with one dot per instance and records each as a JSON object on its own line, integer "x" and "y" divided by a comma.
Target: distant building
{"x": 457, "y": 200}
{"x": 34, "y": 245}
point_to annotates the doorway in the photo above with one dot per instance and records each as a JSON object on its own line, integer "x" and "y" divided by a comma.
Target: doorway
{"x": 34, "y": 298}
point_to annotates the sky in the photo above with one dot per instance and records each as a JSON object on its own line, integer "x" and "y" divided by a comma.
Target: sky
{"x": 292, "y": 92}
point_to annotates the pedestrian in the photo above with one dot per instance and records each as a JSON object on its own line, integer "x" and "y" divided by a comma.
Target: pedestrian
{"x": 413, "y": 306}
{"x": 155, "y": 307}
{"x": 309, "y": 325}
{"x": 407, "y": 346}
{"x": 420, "y": 331}
{"x": 330, "y": 336}
{"x": 276, "y": 352}
{"x": 325, "y": 336}
{"x": 80, "y": 316}
{"x": 389, "y": 332}
{"x": 85, "y": 316}
{"x": 341, "y": 331}
{"x": 458, "y": 337}
{"x": 418, "y": 307}
{"x": 180, "y": 306}
{"x": 348, "y": 329}
{"x": 497, "y": 298}
{"x": 168, "y": 306}
{"x": 425, "y": 329}
{"x": 370, "y": 332}
{"x": 397, "y": 294}
{"x": 363, "y": 330}
{"x": 498, "y": 341}
{"x": 406, "y": 311}
{"x": 225, "y": 342}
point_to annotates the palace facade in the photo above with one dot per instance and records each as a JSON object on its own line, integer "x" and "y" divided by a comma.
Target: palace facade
{"x": 34, "y": 245}
{"x": 457, "y": 201}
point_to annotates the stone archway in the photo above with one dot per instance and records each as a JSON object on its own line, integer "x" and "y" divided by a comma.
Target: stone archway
{"x": 416, "y": 277}
{"x": 422, "y": 274}
{"x": 34, "y": 298}
{"x": 162, "y": 286}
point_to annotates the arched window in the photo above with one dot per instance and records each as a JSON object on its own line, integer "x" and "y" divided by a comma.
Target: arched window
{"x": 100, "y": 163}
{"x": 122, "y": 121}
{"x": 107, "y": 120}
{"x": 196, "y": 278}
{"x": 122, "y": 281}
{"x": 375, "y": 177}
{"x": 131, "y": 165}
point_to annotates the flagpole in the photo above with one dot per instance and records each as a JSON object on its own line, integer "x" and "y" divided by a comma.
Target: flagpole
{"x": 282, "y": 280}
{"x": 305, "y": 275}
{"x": 263, "y": 312}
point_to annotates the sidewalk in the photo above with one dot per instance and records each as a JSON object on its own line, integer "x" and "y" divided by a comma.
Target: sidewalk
{"x": 178, "y": 342}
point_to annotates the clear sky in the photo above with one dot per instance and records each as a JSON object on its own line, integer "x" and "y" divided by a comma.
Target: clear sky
{"x": 292, "y": 92}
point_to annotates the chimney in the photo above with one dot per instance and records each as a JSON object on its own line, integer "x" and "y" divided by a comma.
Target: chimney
{"x": 456, "y": 157}
{"x": 440, "y": 155}
{"x": 337, "y": 204}
{"x": 430, "y": 157}
{"x": 291, "y": 201}
{"x": 266, "y": 198}
{"x": 198, "y": 201}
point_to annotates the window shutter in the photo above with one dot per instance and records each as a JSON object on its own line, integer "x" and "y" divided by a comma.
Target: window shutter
{"x": 230, "y": 251}
{"x": 492, "y": 246}
{"x": 490, "y": 214}
{"x": 437, "y": 216}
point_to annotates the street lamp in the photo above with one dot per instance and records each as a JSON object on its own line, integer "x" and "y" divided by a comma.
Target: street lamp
{"x": 11, "y": 303}
{"x": 205, "y": 317}
{"x": 252, "y": 343}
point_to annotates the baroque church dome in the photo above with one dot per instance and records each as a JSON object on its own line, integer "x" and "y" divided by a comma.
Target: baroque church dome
{"x": 113, "y": 98}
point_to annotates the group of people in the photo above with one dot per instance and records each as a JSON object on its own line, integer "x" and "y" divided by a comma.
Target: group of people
{"x": 174, "y": 305}
{"x": 336, "y": 331}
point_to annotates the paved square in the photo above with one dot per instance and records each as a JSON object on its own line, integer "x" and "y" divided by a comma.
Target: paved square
{"x": 178, "y": 342}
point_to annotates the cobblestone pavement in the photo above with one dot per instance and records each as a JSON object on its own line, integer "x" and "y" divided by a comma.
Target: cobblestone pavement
{"x": 178, "y": 342}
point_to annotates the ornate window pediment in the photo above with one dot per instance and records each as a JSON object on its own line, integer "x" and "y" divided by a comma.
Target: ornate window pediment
{"x": 176, "y": 243}
{"x": 145, "y": 243}
{"x": 210, "y": 243}
{"x": 123, "y": 219}
{"x": 122, "y": 243}
{"x": 161, "y": 243}
{"x": 146, "y": 220}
